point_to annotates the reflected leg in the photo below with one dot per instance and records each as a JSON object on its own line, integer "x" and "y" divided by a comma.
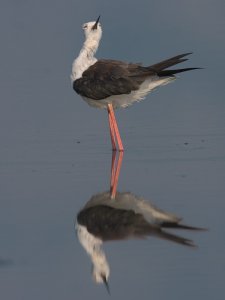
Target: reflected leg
{"x": 113, "y": 168}
{"x": 116, "y": 175}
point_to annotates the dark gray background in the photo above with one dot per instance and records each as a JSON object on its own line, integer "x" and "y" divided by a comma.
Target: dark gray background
{"x": 55, "y": 150}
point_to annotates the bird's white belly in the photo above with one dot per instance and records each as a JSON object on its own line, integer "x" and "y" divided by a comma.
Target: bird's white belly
{"x": 135, "y": 96}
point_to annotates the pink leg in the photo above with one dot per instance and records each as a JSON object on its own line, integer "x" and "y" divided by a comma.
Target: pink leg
{"x": 112, "y": 132}
{"x": 115, "y": 126}
{"x": 113, "y": 170}
{"x": 117, "y": 173}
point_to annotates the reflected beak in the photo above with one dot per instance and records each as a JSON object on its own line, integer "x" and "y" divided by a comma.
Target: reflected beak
{"x": 106, "y": 285}
{"x": 96, "y": 24}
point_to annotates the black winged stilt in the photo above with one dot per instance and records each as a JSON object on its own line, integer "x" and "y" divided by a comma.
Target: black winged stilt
{"x": 127, "y": 216}
{"x": 120, "y": 216}
{"x": 111, "y": 84}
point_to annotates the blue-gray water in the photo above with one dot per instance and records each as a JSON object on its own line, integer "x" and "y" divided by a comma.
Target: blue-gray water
{"x": 55, "y": 150}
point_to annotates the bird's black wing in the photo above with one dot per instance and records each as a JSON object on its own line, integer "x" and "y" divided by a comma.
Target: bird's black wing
{"x": 110, "y": 77}
{"x": 108, "y": 223}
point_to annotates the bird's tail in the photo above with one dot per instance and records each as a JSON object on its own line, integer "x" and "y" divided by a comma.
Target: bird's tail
{"x": 166, "y": 73}
{"x": 172, "y": 237}
{"x": 160, "y": 68}
{"x": 175, "y": 238}
{"x": 176, "y": 225}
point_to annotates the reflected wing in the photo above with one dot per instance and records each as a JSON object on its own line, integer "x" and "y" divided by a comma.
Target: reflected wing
{"x": 108, "y": 223}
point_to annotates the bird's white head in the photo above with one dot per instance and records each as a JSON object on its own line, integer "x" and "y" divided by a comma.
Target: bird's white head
{"x": 93, "y": 30}
{"x": 92, "y": 244}
{"x": 101, "y": 270}
{"x": 93, "y": 34}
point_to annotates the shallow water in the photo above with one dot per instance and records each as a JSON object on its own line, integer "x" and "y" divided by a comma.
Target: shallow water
{"x": 44, "y": 188}
{"x": 55, "y": 154}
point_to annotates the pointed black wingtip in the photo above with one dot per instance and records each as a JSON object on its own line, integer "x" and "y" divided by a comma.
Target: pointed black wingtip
{"x": 173, "y": 72}
{"x": 190, "y": 244}
{"x": 180, "y": 57}
{"x": 188, "y": 53}
{"x": 184, "y": 54}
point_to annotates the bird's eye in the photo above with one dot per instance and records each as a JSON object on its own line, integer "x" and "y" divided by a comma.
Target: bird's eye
{"x": 85, "y": 26}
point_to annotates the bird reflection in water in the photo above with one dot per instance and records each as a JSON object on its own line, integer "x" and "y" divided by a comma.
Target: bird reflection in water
{"x": 113, "y": 215}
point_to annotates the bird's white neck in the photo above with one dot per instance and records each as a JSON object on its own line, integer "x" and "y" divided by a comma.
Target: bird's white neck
{"x": 88, "y": 240}
{"x": 85, "y": 58}
{"x": 92, "y": 245}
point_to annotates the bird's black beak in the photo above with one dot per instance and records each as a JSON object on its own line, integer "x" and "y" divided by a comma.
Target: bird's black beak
{"x": 106, "y": 284}
{"x": 96, "y": 24}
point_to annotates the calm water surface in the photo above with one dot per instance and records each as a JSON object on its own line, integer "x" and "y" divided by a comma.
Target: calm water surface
{"x": 55, "y": 151}
{"x": 44, "y": 189}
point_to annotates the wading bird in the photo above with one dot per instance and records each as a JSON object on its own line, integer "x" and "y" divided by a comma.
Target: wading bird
{"x": 111, "y": 84}
{"x": 112, "y": 215}
{"x": 127, "y": 216}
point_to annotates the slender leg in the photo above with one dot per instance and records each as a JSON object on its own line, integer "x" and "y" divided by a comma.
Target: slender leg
{"x": 112, "y": 132}
{"x": 116, "y": 176}
{"x": 113, "y": 163}
{"x": 115, "y": 126}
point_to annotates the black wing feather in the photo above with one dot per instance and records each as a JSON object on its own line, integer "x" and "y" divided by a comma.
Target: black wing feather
{"x": 108, "y": 223}
{"x": 106, "y": 78}
{"x": 109, "y": 77}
